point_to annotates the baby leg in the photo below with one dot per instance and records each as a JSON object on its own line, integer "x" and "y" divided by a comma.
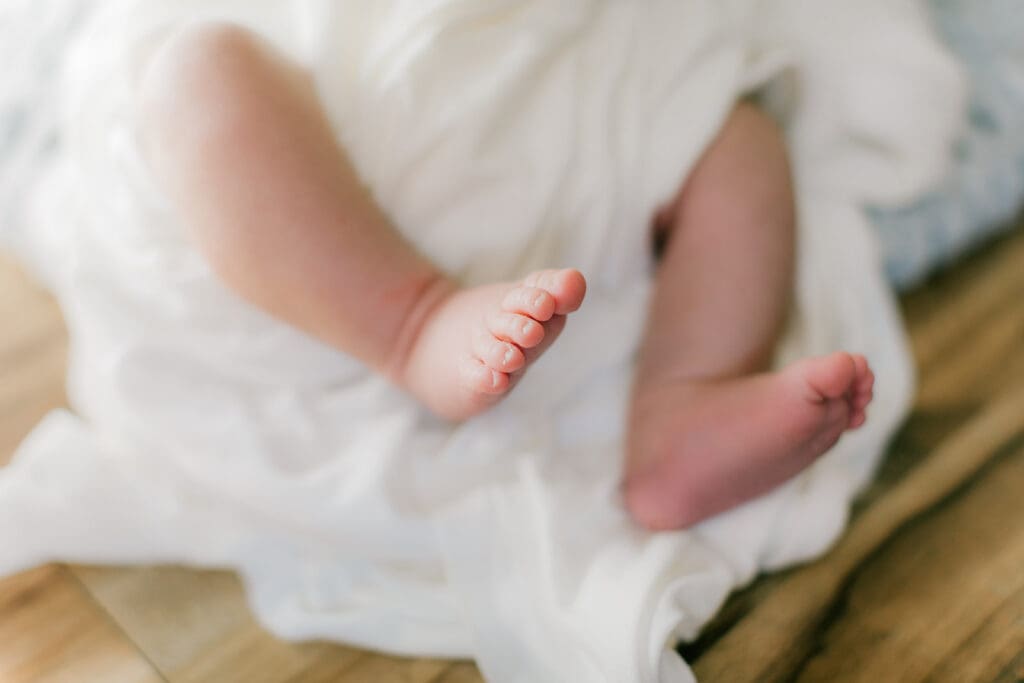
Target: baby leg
{"x": 237, "y": 136}
{"x": 709, "y": 428}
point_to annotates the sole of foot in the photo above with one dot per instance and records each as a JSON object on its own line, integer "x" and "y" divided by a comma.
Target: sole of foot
{"x": 700, "y": 448}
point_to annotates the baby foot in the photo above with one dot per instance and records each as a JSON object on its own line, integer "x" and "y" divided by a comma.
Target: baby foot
{"x": 478, "y": 342}
{"x": 698, "y": 448}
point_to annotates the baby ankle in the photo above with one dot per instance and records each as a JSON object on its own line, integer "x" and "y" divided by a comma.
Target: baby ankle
{"x": 427, "y": 300}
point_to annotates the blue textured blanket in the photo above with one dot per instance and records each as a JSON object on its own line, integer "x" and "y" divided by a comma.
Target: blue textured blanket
{"x": 986, "y": 188}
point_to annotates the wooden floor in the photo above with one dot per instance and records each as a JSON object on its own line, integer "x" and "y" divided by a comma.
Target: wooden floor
{"x": 927, "y": 584}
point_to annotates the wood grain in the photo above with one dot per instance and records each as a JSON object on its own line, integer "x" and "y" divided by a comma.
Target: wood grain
{"x": 896, "y": 611}
{"x": 51, "y": 631}
{"x": 775, "y": 637}
{"x": 210, "y": 608}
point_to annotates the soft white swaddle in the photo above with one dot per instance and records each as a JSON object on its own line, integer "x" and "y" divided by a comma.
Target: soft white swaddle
{"x": 501, "y": 137}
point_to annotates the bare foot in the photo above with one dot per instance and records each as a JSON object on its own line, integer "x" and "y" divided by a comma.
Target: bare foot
{"x": 478, "y": 342}
{"x": 698, "y": 448}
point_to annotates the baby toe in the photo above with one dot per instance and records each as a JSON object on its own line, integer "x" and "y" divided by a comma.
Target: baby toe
{"x": 860, "y": 364}
{"x": 477, "y": 377}
{"x": 498, "y": 355}
{"x": 570, "y": 289}
{"x": 862, "y": 399}
{"x": 535, "y": 302}
{"x": 566, "y": 285}
{"x": 863, "y": 376}
{"x": 540, "y": 278}
{"x": 521, "y": 330}
{"x": 866, "y": 383}
{"x": 829, "y": 376}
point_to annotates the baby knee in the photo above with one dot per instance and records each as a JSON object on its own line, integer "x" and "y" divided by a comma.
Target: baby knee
{"x": 193, "y": 70}
{"x": 202, "y": 50}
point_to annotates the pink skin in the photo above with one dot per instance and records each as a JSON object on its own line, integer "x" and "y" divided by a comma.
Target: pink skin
{"x": 692, "y": 468}
{"x": 478, "y": 342}
{"x": 302, "y": 239}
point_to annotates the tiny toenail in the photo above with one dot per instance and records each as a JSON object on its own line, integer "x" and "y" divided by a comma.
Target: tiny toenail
{"x": 494, "y": 380}
{"x": 527, "y": 326}
{"x": 509, "y": 355}
{"x": 538, "y": 301}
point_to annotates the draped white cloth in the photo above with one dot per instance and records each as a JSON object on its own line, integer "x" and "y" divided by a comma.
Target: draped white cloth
{"x": 501, "y": 137}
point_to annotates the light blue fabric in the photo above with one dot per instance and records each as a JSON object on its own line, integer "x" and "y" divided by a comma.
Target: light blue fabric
{"x": 986, "y": 187}
{"x": 33, "y": 38}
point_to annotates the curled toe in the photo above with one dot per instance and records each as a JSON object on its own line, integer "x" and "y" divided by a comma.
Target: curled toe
{"x": 521, "y": 330}
{"x": 567, "y": 286}
{"x": 535, "y": 302}
{"x": 481, "y": 379}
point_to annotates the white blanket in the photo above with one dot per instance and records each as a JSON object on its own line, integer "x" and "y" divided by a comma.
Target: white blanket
{"x": 501, "y": 137}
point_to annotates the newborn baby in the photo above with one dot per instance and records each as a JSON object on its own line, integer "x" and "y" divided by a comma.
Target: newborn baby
{"x": 237, "y": 136}
{"x": 226, "y": 119}
{"x": 278, "y": 255}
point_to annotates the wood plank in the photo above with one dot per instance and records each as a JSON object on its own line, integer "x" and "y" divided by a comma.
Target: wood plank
{"x": 463, "y": 672}
{"x": 921, "y": 600}
{"x": 249, "y": 654}
{"x": 28, "y": 314}
{"x": 33, "y": 373}
{"x": 33, "y": 349}
{"x": 196, "y": 626}
{"x": 771, "y": 642}
{"x": 52, "y": 632}
{"x": 982, "y": 286}
{"x": 975, "y": 354}
{"x": 381, "y": 668}
{"x": 1014, "y": 673}
{"x": 997, "y": 646}
{"x": 26, "y": 414}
